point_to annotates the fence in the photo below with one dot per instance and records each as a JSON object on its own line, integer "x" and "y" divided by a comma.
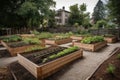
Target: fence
{"x": 105, "y": 31}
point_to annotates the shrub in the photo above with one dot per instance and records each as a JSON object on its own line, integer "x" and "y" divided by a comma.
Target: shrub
{"x": 101, "y": 23}
{"x": 90, "y": 40}
{"x": 111, "y": 69}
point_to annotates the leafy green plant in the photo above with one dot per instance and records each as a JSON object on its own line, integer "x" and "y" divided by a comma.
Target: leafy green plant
{"x": 111, "y": 69}
{"x": 61, "y": 53}
{"x": 90, "y": 40}
{"x": 34, "y": 48}
{"x": 44, "y": 35}
{"x": 12, "y": 38}
{"x": 35, "y": 32}
{"x": 31, "y": 40}
{"x": 118, "y": 56}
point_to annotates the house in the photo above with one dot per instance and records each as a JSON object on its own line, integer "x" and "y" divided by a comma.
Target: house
{"x": 62, "y": 16}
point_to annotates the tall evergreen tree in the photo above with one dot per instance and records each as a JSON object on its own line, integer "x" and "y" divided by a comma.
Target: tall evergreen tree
{"x": 114, "y": 10}
{"x": 99, "y": 11}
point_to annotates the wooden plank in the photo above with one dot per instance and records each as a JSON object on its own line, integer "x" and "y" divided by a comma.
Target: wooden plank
{"x": 90, "y": 47}
{"x": 49, "y": 68}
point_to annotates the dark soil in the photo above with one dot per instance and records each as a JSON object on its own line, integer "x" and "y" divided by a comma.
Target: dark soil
{"x": 4, "y": 53}
{"x": 5, "y": 74}
{"x": 17, "y": 44}
{"x": 38, "y": 56}
{"x": 102, "y": 73}
{"x": 20, "y": 72}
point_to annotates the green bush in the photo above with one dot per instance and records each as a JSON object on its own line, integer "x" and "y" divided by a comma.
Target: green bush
{"x": 101, "y": 23}
{"x": 111, "y": 69}
{"x": 94, "y": 39}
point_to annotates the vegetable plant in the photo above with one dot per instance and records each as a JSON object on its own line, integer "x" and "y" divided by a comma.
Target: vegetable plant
{"x": 12, "y": 38}
{"x": 61, "y": 53}
{"x": 34, "y": 48}
{"x": 111, "y": 69}
{"x": 94, "y": 39}
{"x": 31, "y": 40}
{"x": 118, "y": 56}
{"x": 44, "y": 35}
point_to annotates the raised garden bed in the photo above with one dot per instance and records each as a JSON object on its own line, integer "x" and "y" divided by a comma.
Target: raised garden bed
{"x": 27, "y": 35}
{"x": 91, "y": 43}
{"x": 112, "y": 39}
{"x": 55, "y": 41}
{"x": 109, "y": 69}
{"x": 77, "y": 37}
{"x": 19, "y": 47}
{"x": 44, "y": 63}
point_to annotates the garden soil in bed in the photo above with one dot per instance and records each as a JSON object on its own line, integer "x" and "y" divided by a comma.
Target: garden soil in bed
{"x": 5, "y": 74}
{"x": 17, "y": 44}
{"x": 4, "y": 53}
{"x": 38, "y": 56}
{"x": 102, "y": 73}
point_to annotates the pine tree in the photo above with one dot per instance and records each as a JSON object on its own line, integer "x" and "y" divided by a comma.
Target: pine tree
{"x": 99, "y": 11}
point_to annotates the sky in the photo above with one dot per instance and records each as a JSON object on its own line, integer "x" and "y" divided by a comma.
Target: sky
{"x": 90, "y": 4}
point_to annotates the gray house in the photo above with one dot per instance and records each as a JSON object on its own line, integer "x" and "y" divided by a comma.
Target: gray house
{"x": 62, "y": 16}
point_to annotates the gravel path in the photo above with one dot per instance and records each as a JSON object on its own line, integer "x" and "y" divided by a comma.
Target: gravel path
{"x": 79, "y": 69}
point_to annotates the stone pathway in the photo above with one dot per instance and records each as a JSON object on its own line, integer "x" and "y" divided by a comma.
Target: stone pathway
{"x": 79, "y": 69}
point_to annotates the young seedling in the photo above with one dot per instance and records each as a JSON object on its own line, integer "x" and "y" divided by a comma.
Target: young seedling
{"x": 111, "y": 69}
{"x": 118, "y": 56}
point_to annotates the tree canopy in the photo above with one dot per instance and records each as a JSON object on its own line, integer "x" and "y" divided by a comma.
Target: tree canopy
{"x": 78, "y": 15}
{"x": 114, "y": 10}
{"x": 24, "y": 12}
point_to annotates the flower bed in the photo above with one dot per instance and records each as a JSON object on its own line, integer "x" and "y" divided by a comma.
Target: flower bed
{"x": 109, "y": 69}
{"x": 19, "y": 47}
{"x": 91, "y": 43}
{"x": 46, "y": 62}
{"x": 58, "y": 41}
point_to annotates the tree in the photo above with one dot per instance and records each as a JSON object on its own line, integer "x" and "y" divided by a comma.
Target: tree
{"x": 99, "y": 11}
{"x": 114, "y": 10}
{"x": 24, "y": 12}
{"x": 78, "y": 15}
{"x": 74, "y": 15}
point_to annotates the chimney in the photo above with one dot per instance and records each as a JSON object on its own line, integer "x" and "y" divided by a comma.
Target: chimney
{"x": 63, "y": 7}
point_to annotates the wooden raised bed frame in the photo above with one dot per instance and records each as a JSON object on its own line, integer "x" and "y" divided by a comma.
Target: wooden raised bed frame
{"x": 110, "y": 39}
{"x": 77, "y": 37}
{"x": 16, "y": 50}
{"x": 58, "y": 42}
{"x": 27, "y": 35}
{"x": 47, "y": 69}
{"x": 90, "y": 47}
